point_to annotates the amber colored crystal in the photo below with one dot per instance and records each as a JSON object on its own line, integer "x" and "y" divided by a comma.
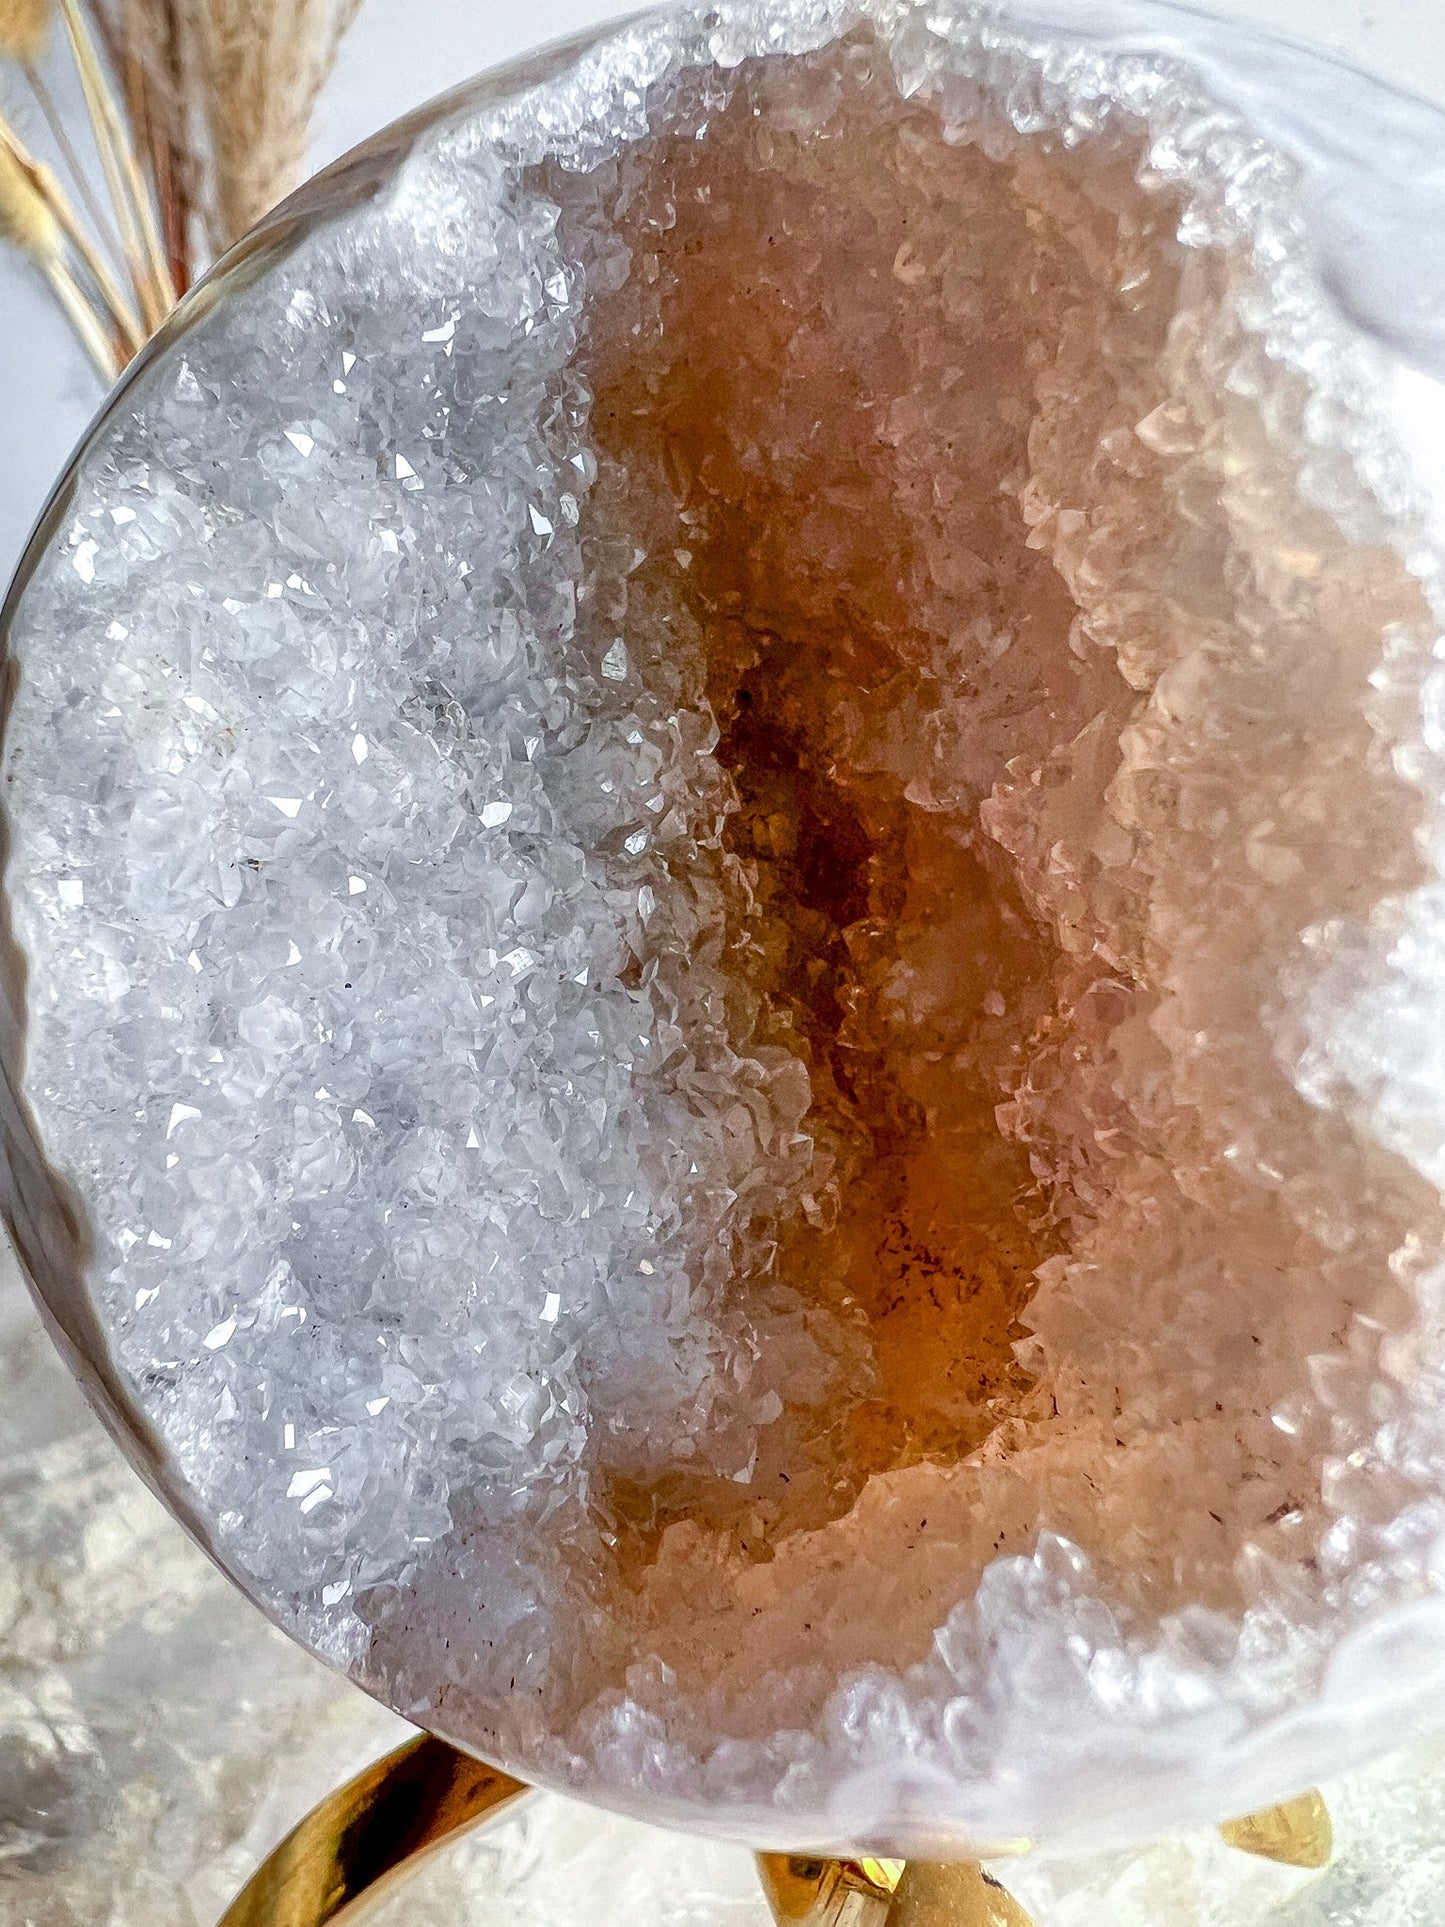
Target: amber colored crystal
{"x": 890, "y": 432}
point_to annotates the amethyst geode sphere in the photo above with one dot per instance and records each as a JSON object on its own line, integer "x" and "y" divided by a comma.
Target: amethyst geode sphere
{"x": 728, "y": 1034}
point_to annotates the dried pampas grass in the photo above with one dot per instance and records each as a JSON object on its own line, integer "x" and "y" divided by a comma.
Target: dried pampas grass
{"x": 23, "y": 28}
{"x": 199, "y": 112}
{"x": 26, "y": 217}
{"x": 262, "y": 63}
{"x": 152, "y": 51}
{"x": 29, "y": 220}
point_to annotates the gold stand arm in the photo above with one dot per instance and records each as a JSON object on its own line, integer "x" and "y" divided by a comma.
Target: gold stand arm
{"x": 934, "y": 1893}
{"x": 806, "y": 1891}
{"x": 1297, "y": 1834}
{"x": 381, "y": 1823}
{"x": 376, "y": 1826}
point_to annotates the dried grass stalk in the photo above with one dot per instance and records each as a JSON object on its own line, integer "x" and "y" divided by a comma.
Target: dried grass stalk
{"x": 114, "y": 301}
{"x": 29, "y": 221}
{"x": 26, "y": 218}
{"x": 262, "y": 64}
{"x": 152, "y": 48}
{"x": 199, "y": 111}
{"x": 135, "y": 215}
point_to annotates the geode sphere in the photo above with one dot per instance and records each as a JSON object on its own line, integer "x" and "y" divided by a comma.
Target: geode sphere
{"x": 727, "y": 966}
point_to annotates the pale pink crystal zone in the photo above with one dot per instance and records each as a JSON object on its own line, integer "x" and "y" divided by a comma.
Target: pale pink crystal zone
{"x": 1169, "y": 733}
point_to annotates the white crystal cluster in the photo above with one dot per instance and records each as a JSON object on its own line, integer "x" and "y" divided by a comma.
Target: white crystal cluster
{"x": 358, "y": 823}
{"x": 159, "y": 1739}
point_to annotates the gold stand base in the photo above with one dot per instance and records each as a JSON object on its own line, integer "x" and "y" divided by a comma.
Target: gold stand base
{"x": 378, "y": 1826}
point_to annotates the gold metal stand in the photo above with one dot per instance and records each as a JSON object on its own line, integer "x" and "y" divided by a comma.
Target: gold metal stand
{"x": 804, "y": 1891}
{"x": 379, "y": 1825}
{"x": 955, "y": 1893}
{"x": 1298, "y": 1834}
{"x": 375, "y": 1828}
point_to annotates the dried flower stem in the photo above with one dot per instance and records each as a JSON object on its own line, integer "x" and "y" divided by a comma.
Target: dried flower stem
{"x": 121, "y": 310}
{"x": 199, "y": 112}
{"x": 25, "y": 216}
{"x": 60, "y": 134}
{"x": 47, "y": 186}
{"x": 147, "y": 46}
{"x": 145, "y": 257}
{"x": 154, "y": 145}
{"x": 29, "y": 220}
{"x": 24, "y": 25}
{"x": 48, "y": 199}
{"x": 82, "y": 318}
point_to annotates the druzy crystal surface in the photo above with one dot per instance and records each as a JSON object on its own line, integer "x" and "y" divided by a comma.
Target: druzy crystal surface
{"x": 721, "y": 806}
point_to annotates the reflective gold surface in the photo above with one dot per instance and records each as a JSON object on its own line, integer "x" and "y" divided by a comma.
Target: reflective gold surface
{"x": 806, "y": 1891}
{"x": 377, "y": 1826}
{"x": 382, "y": 1822}
{"x": 373, "y": 1828}
{"x": 1297, "y": 1834}
{"x": 953, "y": 1894}
{"x": 811, "y": 1892}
